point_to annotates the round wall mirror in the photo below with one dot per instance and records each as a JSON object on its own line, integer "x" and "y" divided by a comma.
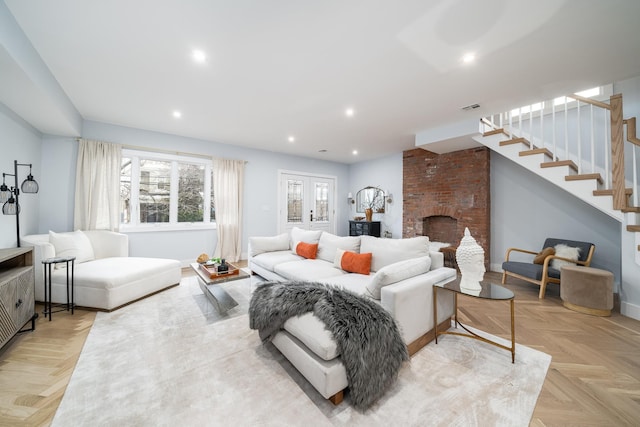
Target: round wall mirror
{"x": 370, "y": 197}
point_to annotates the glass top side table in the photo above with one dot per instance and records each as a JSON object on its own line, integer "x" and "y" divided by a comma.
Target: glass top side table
{"x": 489, "y": 292}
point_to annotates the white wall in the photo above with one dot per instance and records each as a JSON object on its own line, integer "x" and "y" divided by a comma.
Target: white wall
{"x": 385, "y": 173}
{"x": 19, "y": 141}
{"x": 260, "y": 210}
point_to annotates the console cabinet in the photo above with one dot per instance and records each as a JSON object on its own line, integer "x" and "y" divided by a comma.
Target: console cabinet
{"x": 366, "y": 228}
{"x": 17, "y": 300}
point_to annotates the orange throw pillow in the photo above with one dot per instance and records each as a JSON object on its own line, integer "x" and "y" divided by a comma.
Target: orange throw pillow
{"x": 356, "y": 263}
{"x": 307, "y": 250}
{"x": 539, "y": 259}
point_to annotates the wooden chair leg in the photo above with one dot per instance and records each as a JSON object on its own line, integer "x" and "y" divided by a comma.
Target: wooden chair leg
{"x": 336, "y": 399}
{"x": 504, "y": 277}
{"x": 543, "y": 288}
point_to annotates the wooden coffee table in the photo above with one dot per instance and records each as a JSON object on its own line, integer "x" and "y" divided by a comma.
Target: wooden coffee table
{"x": 211, "y": 288}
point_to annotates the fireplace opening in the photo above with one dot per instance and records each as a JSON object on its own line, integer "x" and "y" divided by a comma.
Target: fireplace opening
{"x": 440, "y": 228}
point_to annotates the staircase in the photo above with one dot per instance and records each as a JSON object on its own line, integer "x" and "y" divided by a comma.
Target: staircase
{"x": 578, "y": 144}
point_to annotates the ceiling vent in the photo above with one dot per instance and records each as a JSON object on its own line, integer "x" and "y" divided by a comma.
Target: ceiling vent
{"x": 471, "y": 107}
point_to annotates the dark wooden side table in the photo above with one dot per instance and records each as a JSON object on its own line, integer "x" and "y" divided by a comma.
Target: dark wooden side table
{"x": 48, "y": 263}
{"x": 449, "y": 253}
{"x": 489, "y": 291}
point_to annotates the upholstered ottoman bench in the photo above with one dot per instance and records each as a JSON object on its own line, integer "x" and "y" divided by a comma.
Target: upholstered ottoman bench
{"x": 587, "y": 290}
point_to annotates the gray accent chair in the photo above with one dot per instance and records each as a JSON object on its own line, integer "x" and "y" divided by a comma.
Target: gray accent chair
{"x": 542, "y": 274}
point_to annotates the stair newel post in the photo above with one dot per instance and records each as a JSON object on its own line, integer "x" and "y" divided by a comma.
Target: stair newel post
{"x": 607, "y": 149}
{"x": 617, "y": 153}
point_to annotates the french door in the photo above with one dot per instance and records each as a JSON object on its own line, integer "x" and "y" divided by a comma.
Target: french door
{"x": 306, "y": 201}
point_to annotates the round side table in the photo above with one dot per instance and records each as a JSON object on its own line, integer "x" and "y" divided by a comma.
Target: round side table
{"x": 48, "y": 263}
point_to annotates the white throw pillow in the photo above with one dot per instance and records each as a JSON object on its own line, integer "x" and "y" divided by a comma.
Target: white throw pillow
{"x": 565, "y": 251}
{"x": 389, "y": 251}
{"x": 261, "y": 245}
{"x": 74, "y": 243}
{"x": 307, "y": 236}
{"x": 330, "y": 242}
{"x": 396, "y": 272}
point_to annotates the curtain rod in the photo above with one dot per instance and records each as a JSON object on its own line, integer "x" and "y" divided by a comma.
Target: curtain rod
{"x": 158, "y": 150}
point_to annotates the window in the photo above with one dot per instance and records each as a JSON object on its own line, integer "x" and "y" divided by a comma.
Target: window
{"x": 163, "y": 191}
{"x": 600, "y": 93}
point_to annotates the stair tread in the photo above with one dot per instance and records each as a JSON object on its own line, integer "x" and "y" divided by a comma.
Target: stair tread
{"x": 584, "y": 176}
{"x": 635, "y": 228}
{"x": 631, "y": 209}
{"x": 494, "y": 132}
{"x": 513, "y": 141}
{"x": 627, "y": 191}
{"x": 536, "y": 151}
{"x": 569, "y": 163}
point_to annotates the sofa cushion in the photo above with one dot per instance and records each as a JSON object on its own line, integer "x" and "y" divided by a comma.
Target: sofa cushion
{"x": 528, "y": 269}
{"x": 74, "y": 243}
{"x": 307, "y": 270}
{"x": 113, "y": 273}
{"x": 353, "y": 262}
{"x": 330, "y": 242}
{"x": 396, "y": 272}
{"x": 356, "y": 283}
{"x": 306, "y": 236}
{"x": 306, "y": 250}
{"x": 389, "y": 251}
{"x": 269, "y": 260}
{"x": 261, "y": 245}
{"x": 313, "y": 333}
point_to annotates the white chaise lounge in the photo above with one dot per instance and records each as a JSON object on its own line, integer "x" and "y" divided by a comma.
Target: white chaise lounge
{"x": 106, "y": 277}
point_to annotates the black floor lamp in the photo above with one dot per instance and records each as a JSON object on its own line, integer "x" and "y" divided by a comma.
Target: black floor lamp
{"x": 9, "y": 196}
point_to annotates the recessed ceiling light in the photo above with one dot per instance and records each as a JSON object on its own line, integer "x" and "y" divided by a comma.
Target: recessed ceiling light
{"x": 349, "y": 112}
{"x": 291, "y": 139}
{"x": 355, "y": 152}
{"x": 177, "y": 114}
{"x": 199, "y": 56}
{"x": 469, "y": 58}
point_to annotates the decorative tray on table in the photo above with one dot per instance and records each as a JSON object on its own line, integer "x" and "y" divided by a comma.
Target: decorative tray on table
{"x": 212, "y": 270}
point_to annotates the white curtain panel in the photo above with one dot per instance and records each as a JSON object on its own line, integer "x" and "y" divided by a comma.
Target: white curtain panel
{"x": 228, "y": 189}
{"x": 97, "y": 200}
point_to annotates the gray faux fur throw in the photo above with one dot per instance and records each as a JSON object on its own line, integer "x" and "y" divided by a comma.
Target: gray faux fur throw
{"x": 370, "y": 345}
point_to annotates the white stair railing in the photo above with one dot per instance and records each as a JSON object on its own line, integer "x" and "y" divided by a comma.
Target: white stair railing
{"x": 585, "y": 139}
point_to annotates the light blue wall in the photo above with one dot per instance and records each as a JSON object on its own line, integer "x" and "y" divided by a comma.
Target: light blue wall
{"x": 525, "y": 209}
{"x": 260, "y": 210}
{"x": 385, "y": 173}
{"x": 19, "y": 141}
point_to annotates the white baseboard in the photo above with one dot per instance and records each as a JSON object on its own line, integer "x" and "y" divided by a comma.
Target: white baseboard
{"x": 630, "y": 310}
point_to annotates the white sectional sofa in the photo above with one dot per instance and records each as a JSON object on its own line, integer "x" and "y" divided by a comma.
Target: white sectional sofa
{"x": 105, "y": 277}
{"x": 401, "y": 279}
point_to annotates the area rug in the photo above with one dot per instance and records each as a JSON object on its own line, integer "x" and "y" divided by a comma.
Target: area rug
{"x": 171, "y": 360}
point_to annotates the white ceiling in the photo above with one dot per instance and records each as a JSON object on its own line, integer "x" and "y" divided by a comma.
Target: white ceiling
{"x": 290, "y": 67}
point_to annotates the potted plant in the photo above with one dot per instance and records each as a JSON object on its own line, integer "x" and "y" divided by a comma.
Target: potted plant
{"x": 372, "y": 201}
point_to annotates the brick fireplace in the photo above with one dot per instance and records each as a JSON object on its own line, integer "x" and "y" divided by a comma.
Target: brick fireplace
{"x": 444, "y": 193}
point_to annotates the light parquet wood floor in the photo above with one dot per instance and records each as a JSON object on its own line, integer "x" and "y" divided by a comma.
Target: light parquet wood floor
{"x": 593, "y": 380}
